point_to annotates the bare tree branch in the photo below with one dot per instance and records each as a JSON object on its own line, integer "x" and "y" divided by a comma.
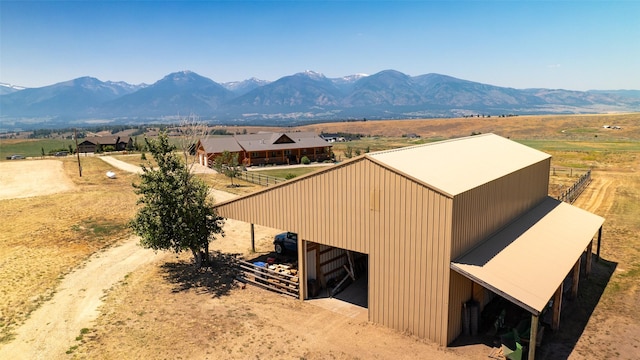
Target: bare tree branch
{"x": 192, "y": 130}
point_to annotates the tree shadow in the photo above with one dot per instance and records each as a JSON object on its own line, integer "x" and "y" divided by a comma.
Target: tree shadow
{"x": 215, "y": 277}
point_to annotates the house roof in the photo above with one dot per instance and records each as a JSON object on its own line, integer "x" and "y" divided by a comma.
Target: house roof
{"x": 458, "y": 165}
{"x": 220, "y": 144}
{"x": 106, "y": 140}
{"x": 528, "y": 260}
{"x": 280, "y": 141}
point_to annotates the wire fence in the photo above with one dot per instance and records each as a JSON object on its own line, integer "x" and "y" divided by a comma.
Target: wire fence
{"x": 260, "y": 179}
{"x": 572, "y": 193}
{"x": 557, "y": 171}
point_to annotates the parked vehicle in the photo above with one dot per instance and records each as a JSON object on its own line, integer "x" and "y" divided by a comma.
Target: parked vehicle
{"x": 15, "y": 157}
{"x": 61, "y": 153}
{"x": 286, "y": 241}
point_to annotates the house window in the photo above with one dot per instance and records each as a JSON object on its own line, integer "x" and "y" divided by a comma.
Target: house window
{"x": 273, "y": 154}
{"x": 254, "y": 154}
{"x": 287, "y": 152}
{"x": 304, "y": 151}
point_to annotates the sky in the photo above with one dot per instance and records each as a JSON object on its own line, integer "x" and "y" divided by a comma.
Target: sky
{"x": 570, "y": 44}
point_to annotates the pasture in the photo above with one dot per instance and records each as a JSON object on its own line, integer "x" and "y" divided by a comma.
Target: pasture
{"x": 165, "y": 308}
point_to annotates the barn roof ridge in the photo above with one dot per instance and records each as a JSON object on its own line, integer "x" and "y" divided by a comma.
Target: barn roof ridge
{"x": 458, "y": 165}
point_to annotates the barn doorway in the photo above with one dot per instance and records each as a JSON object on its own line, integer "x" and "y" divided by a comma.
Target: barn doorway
{"x": 337, "y": 274}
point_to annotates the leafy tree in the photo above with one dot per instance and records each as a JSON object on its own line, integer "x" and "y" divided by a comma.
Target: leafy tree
{"x": 176, "y": 213}
{"x": 227, "y": 164}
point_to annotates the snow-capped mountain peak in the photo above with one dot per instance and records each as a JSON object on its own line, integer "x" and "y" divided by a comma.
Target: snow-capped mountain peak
{"x": 312, "y": 74}
{"x": 12, "y": 86}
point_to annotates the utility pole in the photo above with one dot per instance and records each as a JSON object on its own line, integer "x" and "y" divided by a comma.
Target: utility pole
{"x": 75, "y": 136}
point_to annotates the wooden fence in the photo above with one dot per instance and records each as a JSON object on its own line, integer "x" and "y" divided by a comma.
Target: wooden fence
{"x": 558, "y": 170}
{"x": 275, "y": 280}
{"x": 571, "y": 194}
{"x": 260, "y": 179}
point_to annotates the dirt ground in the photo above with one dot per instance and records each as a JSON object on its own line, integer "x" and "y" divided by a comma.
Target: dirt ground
{"x": 127, "y": 302}
{"x": 23, "y": 178}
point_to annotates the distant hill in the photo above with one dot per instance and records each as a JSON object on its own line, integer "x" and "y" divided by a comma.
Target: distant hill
{"x": 180, "y": 93}
{"x": 300, "y": 98}
{"x": 74, "y": 98}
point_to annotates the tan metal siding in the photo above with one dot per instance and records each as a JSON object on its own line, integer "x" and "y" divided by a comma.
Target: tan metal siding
{"x": 482, "y": 211}
{"x": 460, "y": 291}
{"x": 409, "y": 262}
{"x": 405, "y": 227}
{"x": 325, "y": 208}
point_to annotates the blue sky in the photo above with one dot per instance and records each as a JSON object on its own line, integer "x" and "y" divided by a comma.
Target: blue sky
{"x": 576, "y": 45}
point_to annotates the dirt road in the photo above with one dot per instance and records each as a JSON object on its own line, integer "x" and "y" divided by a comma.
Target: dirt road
{"x": 196, "y": 168}
{"x": 121, "y": 164}
{"x": 51, "y": 330}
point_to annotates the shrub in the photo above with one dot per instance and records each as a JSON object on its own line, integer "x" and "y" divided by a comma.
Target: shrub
{"x": 305, "y": 160}
{"x": 348, "y": 153}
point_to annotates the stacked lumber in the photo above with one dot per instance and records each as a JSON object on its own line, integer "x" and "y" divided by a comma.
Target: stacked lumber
{"x": 281, "y": 278}
{"x": 283, "y": 269}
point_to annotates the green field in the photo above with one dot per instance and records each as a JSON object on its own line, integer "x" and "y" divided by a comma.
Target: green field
{"x": 297, "y": 171}
{"x": 32, "y": 148}
{"x": 595, "y": 145}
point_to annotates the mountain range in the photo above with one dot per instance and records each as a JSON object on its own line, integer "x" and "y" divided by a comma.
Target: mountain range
{"x": 299, "y": 98}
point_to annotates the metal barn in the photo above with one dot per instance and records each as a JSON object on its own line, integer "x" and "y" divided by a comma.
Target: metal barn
{"x": 441, "y": 223}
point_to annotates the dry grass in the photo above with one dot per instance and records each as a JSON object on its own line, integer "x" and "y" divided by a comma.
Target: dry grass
{"x": 558, "y": 127}
{"x": 43, "y": 238}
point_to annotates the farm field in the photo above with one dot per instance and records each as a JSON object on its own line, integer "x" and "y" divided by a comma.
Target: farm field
{"x": 164, "y": 309}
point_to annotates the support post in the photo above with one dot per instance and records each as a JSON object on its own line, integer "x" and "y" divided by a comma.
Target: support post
{"x": 599, "y": 241}
{"x": 533, "y": 337}
{"x": 75, "y": 136}
{"x": 557, "y": 306}
{"x": 302, "y": 268}
{"x": 587, "y": 267}
{"x": 319, "y": 275}
{"x": 253, "y": 239}
{"x": 576, "y": 279}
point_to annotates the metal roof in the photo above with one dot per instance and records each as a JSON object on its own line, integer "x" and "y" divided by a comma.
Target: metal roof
{"x": 455, "y": 166}
{"x": 528, "y": 260}
{"x": 220, "y": 144}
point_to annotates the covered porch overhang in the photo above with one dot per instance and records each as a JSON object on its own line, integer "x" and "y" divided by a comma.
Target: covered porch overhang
{"x": 527, "y": 261}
